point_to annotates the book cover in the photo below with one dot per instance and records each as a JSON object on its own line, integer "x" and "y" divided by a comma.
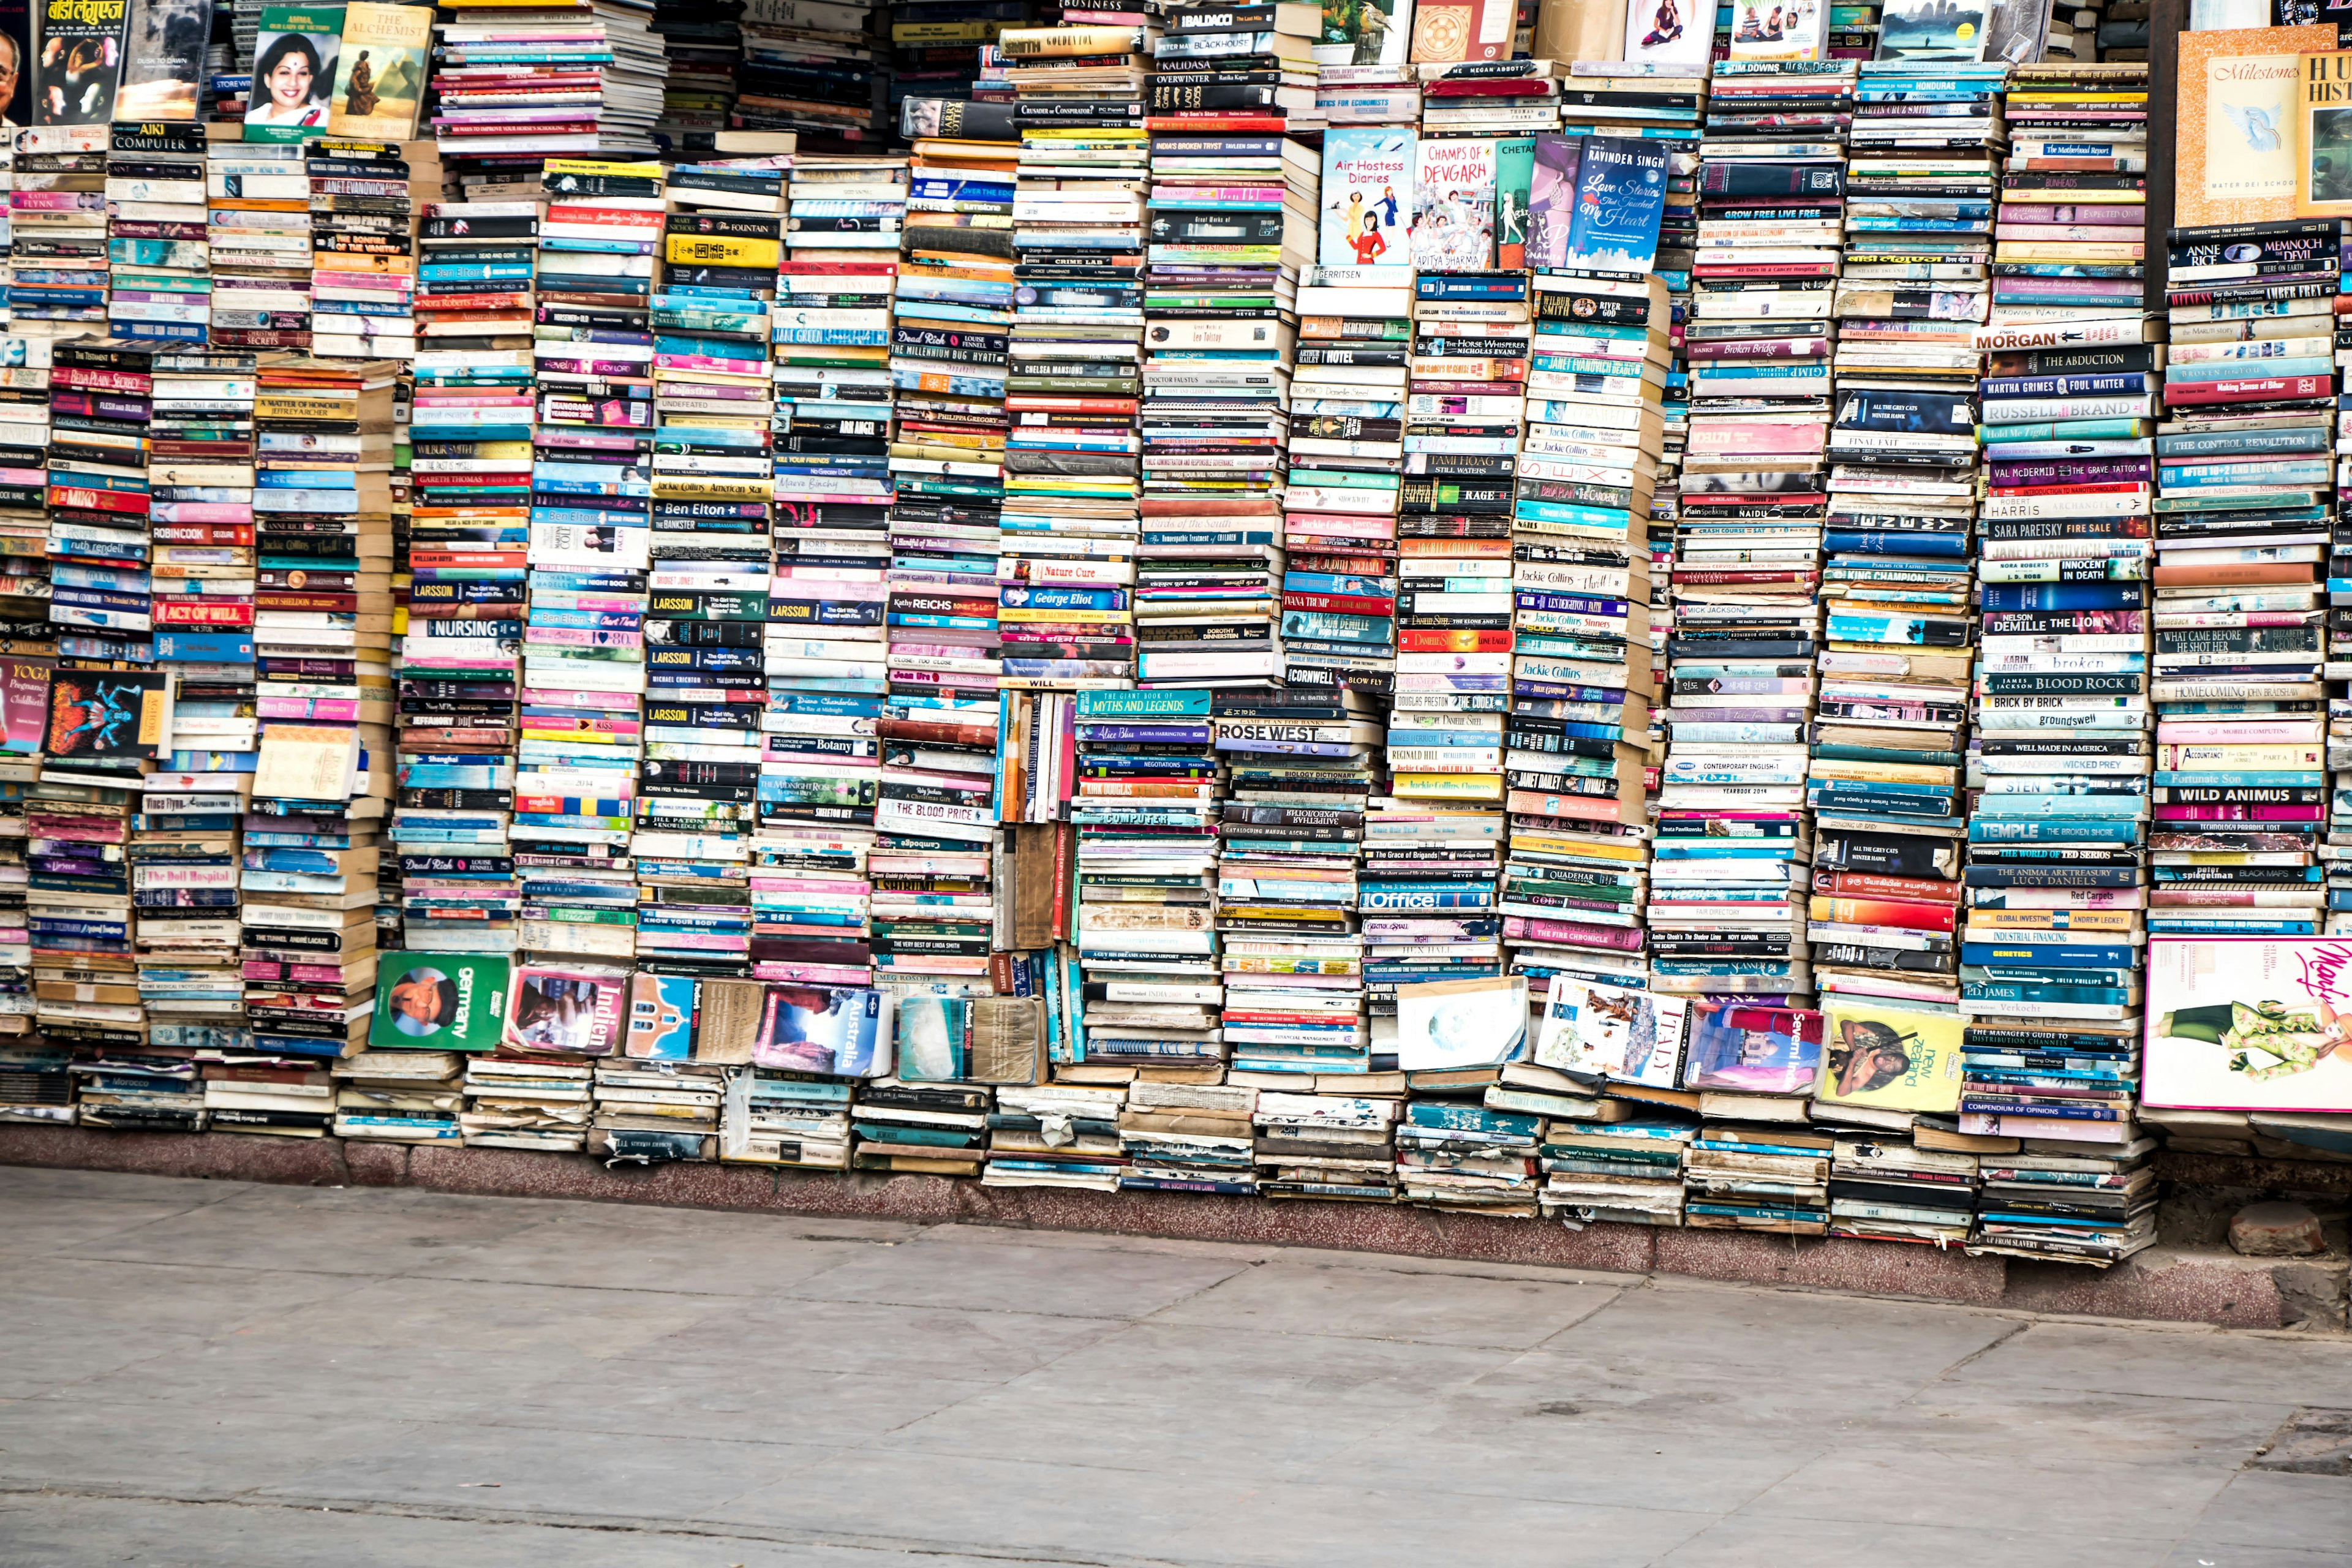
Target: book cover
{"x": 1461, "y": 1023}
{"x": 17, "y": 96}
{"x": 1515, "y": 171}
{"x": 1621, "y": 199}
{"x": 80, "y": 61}
{"x": 1745, "y": 1049}
{"x": 829, "y": 1029}
{"x": 663, "y": 1009}
{"x": 1635, "y": 1037}
{"x": 1670, "y": 32}
{"x": 934, "y": 1039}
{"x": 2016, "y": 30}
{"x": 1450, "y": 32}
{"x": 1363, "y": 33}
{"x": 1777, "y": 30}
{"x": 2324, "y": 165}
{"x": 306, "y": 762}
{"x": 1932, "y": 30}
{"x": 24, "y": 703}
{"x": 1453, "y": 205}
{"x": 380, "y": 77}
{"x": 2237, "y": 132}
{"x": 164, "y": 59}
{"x": 294, "y": 58}
{"x": 1367, "y": 195}
{"x": 108, "y": 719}
{"x": 1551, "y": 198}
{"x": 562, "y": 1008}
{"x": 439, "y": 1002}
{"x": 1880, "y": 1053}
{"x": 2249, "y": 1024}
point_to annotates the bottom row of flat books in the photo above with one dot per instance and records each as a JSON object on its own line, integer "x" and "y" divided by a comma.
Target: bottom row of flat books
{"x": 1598, "y": 1159}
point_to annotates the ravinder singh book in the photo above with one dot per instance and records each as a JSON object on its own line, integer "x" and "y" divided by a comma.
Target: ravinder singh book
{"x": 1621, "y": 199}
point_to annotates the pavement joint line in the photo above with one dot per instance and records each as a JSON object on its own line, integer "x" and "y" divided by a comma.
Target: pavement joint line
{"x": 619, "y": 1524}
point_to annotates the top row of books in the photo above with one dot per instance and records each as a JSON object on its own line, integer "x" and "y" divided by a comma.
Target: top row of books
{"x": 1676, "y": 37}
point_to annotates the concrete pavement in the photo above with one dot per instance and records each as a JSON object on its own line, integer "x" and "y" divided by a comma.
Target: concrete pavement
{"x": 221, "y": 1372}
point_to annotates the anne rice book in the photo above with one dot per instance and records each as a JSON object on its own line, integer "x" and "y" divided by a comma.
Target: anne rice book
{"x": 1367, "y": 195}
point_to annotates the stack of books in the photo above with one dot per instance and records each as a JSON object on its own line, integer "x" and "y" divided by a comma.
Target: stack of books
{"x": 949, "y": 332}
{"x": 1733, "y": 842}
{"x": 2051, "y": 938}
{"x": 158, "y": 284}
{"x": 1457, "y": 1156}
{"x": 527, "y": 1102}
{"x": 930, "y": 1128}
{"x": 1184, "y": 1137}
{"x": 702, "y": 46}
{"x": 1233, "y": 224}
{"x": 58, "y": 232}
{"x": 1512, "y": 99}
{"x": 1287, "y": 880}
{"x": 1079, "y": 241}
{"x": 845, "y": 209}
{"x": 1144, "y": 806}
{"x": 785, "y": 1119}
{"x": 1339, "y": 1147}
{"x": 944, "y": 49}
{"x": 183, "y": 855}
{"x": 1348, "y": 407}
{"x": 1883, "y": 781}
{"x": 1235, "y": 62}
{"x": 813, "y": 69}
{"x": 577, "y": 76}
{"x": 273, "y": 1096}
{"x": 134, "y": 1089}
{"x": 2067, "y": 1203}
{"x": 937, "y": 784}
{"x": 259, "y": 257}
{"x": 1287, "y": 875}
{"x": 99, "y": 495}
{"x": 1021, "y": 1155}
{"x": 363, "y": 285}
{"x": 1349, "y": 95}
{"x": 399, "y": 1096}
{"x": 1579, "y": 725}
{"x": 2244, "y": 514}
{"x": 1629, "y": 1173}
{"x": 1888, "y": 1190}
{"x": 651, "y": 1112}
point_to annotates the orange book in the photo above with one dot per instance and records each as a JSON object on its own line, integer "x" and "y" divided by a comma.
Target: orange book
{"x": 2299, "y": 572}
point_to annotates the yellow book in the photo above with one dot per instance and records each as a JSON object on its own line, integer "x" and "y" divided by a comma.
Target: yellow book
{"x": 380, "y": 71}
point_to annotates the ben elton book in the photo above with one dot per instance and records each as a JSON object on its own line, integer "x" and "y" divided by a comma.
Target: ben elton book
{"x": 439, "y": 1002}
{"x": 1367, "y": 195}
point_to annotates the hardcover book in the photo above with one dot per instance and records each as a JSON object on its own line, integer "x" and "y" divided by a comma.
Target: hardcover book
{"x": 1367, "y": 195}
{"x": 439, "y": 1002}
